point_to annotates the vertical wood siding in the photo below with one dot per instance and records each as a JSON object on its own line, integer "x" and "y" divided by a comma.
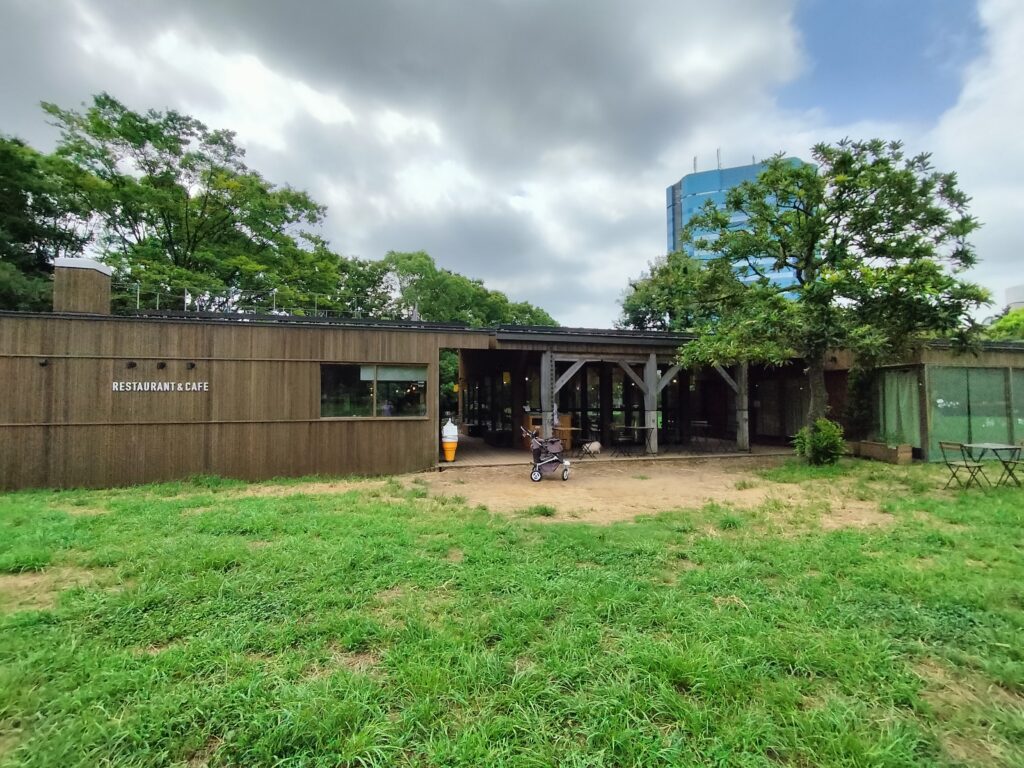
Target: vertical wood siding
{"x": 62, "y": 425}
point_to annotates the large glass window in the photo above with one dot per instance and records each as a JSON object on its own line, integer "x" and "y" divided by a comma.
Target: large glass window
{"x": 368, "y": 390}
{"x": 346, "y": 390}
{"x": 401, "y": 390}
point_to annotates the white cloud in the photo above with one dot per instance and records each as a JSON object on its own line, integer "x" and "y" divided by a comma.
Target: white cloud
{"x": 980, "y": 139}
{"x": 527, "y": 145}
{"x": 257, "y": 103}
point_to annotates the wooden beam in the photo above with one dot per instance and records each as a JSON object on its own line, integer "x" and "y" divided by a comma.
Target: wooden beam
{"x": 728, "y": 379}
{"x": 560, "y": 357}
{"x": 564, "y": 378}
{"x": 664, "y": 380}
{"x": 651, "y": 401}
{"x": 632, "y": 374}
{"x": 547, "y": 366}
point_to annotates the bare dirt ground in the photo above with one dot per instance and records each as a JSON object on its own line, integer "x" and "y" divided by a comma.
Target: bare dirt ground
{"x": 39, "y": 590}
{"x": 609, "y": 492}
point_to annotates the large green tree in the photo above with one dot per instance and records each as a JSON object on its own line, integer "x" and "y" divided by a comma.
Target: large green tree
{"x": 872, "y": 240}
{"x": 423, "y": 290}
{"x": 178, "y": 211}
{"x": 654, "y": 301}
{"x": 39, "y": 217}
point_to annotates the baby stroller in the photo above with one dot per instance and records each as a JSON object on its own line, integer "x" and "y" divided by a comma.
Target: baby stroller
{"x": 547, "y": 456}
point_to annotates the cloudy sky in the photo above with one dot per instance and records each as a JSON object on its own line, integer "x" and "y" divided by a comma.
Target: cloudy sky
{"x": 529, "y": 142}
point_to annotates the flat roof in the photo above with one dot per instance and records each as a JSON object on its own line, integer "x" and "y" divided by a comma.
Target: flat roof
{"x": 222, "y": 318}
{"x": 524, "y": 333}
{"x": 549, "y": 334}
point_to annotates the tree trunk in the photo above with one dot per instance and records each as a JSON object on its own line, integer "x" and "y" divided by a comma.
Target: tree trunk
{"x": 819, "y": 395}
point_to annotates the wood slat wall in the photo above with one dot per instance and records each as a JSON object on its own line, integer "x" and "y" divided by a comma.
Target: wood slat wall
{"x": 81, "y": 290}
{"x": 62, "y": 425}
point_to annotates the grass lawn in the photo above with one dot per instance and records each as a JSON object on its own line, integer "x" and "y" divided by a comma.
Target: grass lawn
{"x": 217, "y": 623}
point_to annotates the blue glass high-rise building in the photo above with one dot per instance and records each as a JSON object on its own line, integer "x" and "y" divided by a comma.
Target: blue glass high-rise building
{"x": 688, "y": 195}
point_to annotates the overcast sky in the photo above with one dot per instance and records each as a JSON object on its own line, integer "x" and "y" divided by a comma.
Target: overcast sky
{"x": 528, "y": 143}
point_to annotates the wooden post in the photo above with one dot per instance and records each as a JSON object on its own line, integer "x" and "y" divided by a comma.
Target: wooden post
{"x": 1010, "y": 415}
{"x": 547, "y": 387}
{"x": 651, "y": 382}
{"x": 742, "y": 408}
{"x": 460, "y": 379}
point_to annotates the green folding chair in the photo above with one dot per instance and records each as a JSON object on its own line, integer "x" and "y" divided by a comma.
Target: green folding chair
{"x": 961, "y": 465}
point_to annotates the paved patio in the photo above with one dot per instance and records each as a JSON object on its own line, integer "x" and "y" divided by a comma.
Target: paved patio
{"x": 474, "y": 452}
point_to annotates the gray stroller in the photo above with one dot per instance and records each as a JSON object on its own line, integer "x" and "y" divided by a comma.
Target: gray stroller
{"x": 547, "y": 456}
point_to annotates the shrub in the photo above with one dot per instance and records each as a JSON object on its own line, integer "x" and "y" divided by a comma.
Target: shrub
{"x": 820, "y": 443}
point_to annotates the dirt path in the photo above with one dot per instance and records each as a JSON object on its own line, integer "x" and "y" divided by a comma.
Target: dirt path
{"x": 608, "y": 492}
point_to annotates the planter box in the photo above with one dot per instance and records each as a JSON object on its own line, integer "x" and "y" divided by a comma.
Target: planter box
{"x": 891, "y": 454}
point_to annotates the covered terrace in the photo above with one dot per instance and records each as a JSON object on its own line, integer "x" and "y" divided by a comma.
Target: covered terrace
{"x": 621, "y": 388}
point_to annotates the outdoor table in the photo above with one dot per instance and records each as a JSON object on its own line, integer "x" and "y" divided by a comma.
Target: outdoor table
{"x": 1007, "y": 454}
{"x": 699, "y": 435}
{"x": 628, "y": 450}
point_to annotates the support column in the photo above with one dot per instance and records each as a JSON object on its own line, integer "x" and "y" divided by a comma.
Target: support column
{"x": 651, "y": 389}
{"x": 742, "y": 408}
{"x": 547, "y": 390}
{"x": 460, "y": 399}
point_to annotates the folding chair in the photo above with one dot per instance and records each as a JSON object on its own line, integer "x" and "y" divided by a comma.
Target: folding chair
{"x": 622, "y": 442}
{"x": 959, "y": 461}
{"x": 1011, "y": 461}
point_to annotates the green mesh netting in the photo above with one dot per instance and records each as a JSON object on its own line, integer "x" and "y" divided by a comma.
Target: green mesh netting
{"x": 968, "y": 405}
{"x": 1018, "y": 406}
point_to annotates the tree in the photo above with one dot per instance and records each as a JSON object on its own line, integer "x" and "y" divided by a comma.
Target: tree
{"x": 874, "y": 241}
{"x": 365, "y": 289}
{"x": 178, "y": 211}
{"x": 423, "y": 291}
{"x": 37, "y": 224}
{"x": 429, "y": 293}
{"x": 654, "y": 301}
{"x": 1008, "y": 327}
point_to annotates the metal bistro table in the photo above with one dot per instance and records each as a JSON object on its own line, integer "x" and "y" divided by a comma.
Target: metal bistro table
{"x": 1007, "y": 454}
{"x": 629, "y": 449}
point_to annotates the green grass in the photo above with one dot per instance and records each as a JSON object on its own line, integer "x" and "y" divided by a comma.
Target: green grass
{"x": 202, "y": 625}
{"x": 540, "y": 510}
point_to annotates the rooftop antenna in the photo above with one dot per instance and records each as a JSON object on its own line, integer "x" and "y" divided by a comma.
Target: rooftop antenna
{"x": 753, "y": 160}
{"x": 694, "y": 163}
{"x": 719, "y": 152}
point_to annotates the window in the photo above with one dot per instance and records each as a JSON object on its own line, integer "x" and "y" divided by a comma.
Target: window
{"x": 373, "y": 390}
{"x": 401, "y": 390}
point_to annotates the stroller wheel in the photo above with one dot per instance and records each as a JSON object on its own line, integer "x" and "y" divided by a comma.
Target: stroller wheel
{"x": 565, "y": 473}
{"x": 535, "y": 475}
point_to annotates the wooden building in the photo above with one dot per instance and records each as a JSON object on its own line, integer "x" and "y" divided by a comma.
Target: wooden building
{"x": 93, "y": 400}
{"x": 941, "y": 393}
